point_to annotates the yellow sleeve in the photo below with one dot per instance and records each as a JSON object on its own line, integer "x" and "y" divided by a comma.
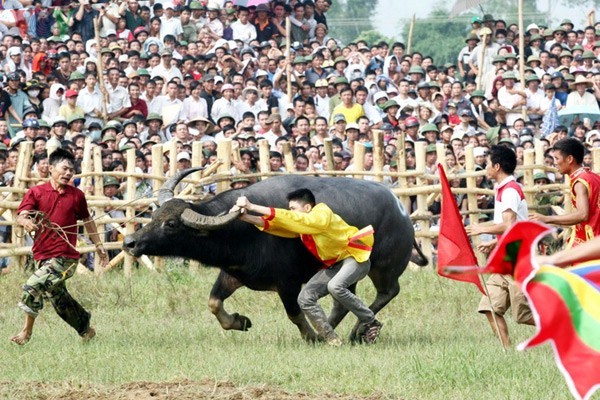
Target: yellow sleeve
{"x": 274, "y": 230}
{"x": 316, "y": 221}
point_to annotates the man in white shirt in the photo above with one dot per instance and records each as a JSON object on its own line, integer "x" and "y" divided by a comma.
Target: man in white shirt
{"x": 164, "y": 69}
{"x": 242, "y": 29}
{"x": 169, "y": 24}
{"x": 511, "y": 99}
{"x": 118, "y": 96}
{"x": 225, "y": 105}
{"x": 171, "y": 101}
{"x": 580, "y": 96}
{"x": 403, "y": 99}
{"x": 535, "y": 97}
{"x": 509, "y": 207}
{"x": 90, "y": 100}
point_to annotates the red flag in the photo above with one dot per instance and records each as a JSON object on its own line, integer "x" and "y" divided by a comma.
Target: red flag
{"x": 454, "y": 248}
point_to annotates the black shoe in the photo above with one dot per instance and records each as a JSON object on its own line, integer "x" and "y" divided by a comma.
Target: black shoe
{"x": 372, "y": 332}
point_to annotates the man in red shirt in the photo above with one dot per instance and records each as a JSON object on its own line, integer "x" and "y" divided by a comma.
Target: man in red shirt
{"x": 51, "y": 211}
{"x": 585, "y": 192}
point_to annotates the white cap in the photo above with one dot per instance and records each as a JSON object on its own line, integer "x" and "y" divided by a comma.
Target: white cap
{"x": 532, "y": 26}
{"x": 219, "y": 78}
{"x": 184, "y": 155}
{"x": 110, "y": 32}
{"x": 352, "y": 125}
{"x": 379, "y": 95}
{"x": 227, "y": 86}
{"x": 479, "y": 151}
{"x": 123, "y": 58}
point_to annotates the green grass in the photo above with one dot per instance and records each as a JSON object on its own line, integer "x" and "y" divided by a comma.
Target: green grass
{"x": 157, "y": 327}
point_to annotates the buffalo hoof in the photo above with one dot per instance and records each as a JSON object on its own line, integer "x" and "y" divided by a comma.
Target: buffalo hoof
{"x": 356, "y": 336}
{"x": 241, "y": 322}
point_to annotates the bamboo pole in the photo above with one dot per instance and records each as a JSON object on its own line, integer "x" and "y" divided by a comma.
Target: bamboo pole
{"x": 22, "y": 169}
{"x": 263, "y": 157}
{"x": 529, "y": 158}
{"x": 288, "y": 157}
{"x": 130, "y": 211}
{"x": 481, "y": 61}
{"x": 157, "y": 170}
{"x": 288, "y": 45}
{"x": 472, "y": 201}
{"x": 522, "y": 56}
{"x": 172, "y": 148}
{"x": 224, "y": 155}
{"x": 100, "y": 68}
{"x": 98, "y": 191}
{"x": 86, "y": 167}
{"x": 328, "y": 146}
{"x": 378, "y": 158}
{"x": 410, "y": 35}
{"x": 596, "y": 160}
{"x": 358, "y": 163}
{"x": 425, "y": 225}
{"x": 402, "y": 179}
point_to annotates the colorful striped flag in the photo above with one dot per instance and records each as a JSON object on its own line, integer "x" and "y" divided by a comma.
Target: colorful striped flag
{"x": 566, "y": 308}
{"x": 565, "y": 304}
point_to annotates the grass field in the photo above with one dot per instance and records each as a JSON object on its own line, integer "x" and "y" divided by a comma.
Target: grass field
{"x": 157, "y": 328}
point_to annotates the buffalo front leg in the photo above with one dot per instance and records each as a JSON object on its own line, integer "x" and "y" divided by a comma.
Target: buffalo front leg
{"x": 224, "y": 287}
{"x": 289, "y": 298}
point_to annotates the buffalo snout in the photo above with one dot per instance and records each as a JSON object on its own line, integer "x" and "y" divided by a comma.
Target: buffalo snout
{"x": 129, "y": 244}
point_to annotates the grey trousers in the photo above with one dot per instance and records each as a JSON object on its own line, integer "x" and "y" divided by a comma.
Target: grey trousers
{"x": 335, "y": 280}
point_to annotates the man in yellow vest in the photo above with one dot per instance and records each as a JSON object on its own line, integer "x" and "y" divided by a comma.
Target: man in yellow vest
{"x": 344, "y": 251}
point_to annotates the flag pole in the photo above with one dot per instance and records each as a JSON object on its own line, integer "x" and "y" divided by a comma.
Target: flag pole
{"x": 410, "y": 34}
{"x": 487, "y": 294}
{"x": 522, "y": 57}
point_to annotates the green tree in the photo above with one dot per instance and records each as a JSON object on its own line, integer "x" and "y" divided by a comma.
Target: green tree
{"x": 347, "y": 19}
{"x": 373, "y": 37}
{"x": 437, "y": 36}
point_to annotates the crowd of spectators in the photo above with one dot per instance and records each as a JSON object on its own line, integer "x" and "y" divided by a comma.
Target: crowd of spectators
{"x": 201, "y": 71}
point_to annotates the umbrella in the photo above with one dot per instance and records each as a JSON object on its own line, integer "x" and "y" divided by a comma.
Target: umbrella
{"x": 566, "y": 116}
{"x": 249, "y": 3}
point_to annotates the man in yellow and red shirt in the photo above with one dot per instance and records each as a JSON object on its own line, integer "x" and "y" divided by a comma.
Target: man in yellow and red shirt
{"x": 585, "y": 192}
{"x": 343, "y": 249}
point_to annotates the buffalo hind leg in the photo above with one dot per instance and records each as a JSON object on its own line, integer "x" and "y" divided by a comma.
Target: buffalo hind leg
{"x": 289, "y": 298}
{"x": 224, "y": 287}
{"x": 387, "y": 288}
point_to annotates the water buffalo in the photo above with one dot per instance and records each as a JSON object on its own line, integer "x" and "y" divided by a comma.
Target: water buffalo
{"x": 207, "y": 232}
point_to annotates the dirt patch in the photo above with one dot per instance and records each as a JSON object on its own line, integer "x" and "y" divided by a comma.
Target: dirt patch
{"x": 181, "y": 390}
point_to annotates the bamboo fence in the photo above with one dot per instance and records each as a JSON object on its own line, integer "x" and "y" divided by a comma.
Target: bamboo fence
{"x": 425, "y": 188}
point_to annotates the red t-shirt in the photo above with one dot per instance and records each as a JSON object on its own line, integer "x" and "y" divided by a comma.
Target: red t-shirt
{"x": 64, "y": 209}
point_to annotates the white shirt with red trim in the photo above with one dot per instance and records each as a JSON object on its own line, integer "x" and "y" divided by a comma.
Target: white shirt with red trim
{"x": 509, "y": 196}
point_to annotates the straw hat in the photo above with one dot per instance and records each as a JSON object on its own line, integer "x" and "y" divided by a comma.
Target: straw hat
{"x": 580, "y": 80}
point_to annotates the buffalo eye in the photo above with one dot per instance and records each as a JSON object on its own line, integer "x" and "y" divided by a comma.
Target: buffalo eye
{"x": 170, "y": 224}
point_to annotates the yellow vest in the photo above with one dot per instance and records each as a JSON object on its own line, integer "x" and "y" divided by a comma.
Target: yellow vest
{"x": 326, "y": 235}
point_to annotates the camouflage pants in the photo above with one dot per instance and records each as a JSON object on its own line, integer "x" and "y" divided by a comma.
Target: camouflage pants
{"x": 48, "y": 283}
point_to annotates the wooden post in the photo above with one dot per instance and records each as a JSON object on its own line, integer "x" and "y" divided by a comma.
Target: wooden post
{"x": 529, "y": 159}
{"x": 100, "y": 68}
{"x": 402, "y": 180}
{"x": 596, "y": 160}
{"x": 422, "y": 211}
{"x": 472, "y": 200}
{"x": 98, "y": 192}
{"x": 378, "y": 158}
{"x": 172, "y": 157}
{"x": 157, "y": 170}
{"x": 410, "y": 35}
{"x": 522, "y": 55}
{"x": 328, "y": 146}
{"x": 358, "y": 164}
{"x": 86, "y": 167}
{"x": 223, "y": 155}
{"x": 157, "y": 166}
{"x": 481, "y": 60}
{"x": 130, "y": 212}
{"x": 539, "y": 153}
{"x": 197, "y": 159}
{"x": 288, "y": 55}
{"x": 21, "y": 171}
{"x": 288, "y": 157}
{"x": 264, "y": 150}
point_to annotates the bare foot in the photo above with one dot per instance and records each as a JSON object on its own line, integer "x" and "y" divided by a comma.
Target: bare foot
{"x": 21, "y": 338}
{"x": 88, "y": 335}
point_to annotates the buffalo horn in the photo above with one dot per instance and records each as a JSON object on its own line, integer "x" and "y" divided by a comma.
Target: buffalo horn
{"x": 167, "y": 191}
{"x": 205, "y": 222}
